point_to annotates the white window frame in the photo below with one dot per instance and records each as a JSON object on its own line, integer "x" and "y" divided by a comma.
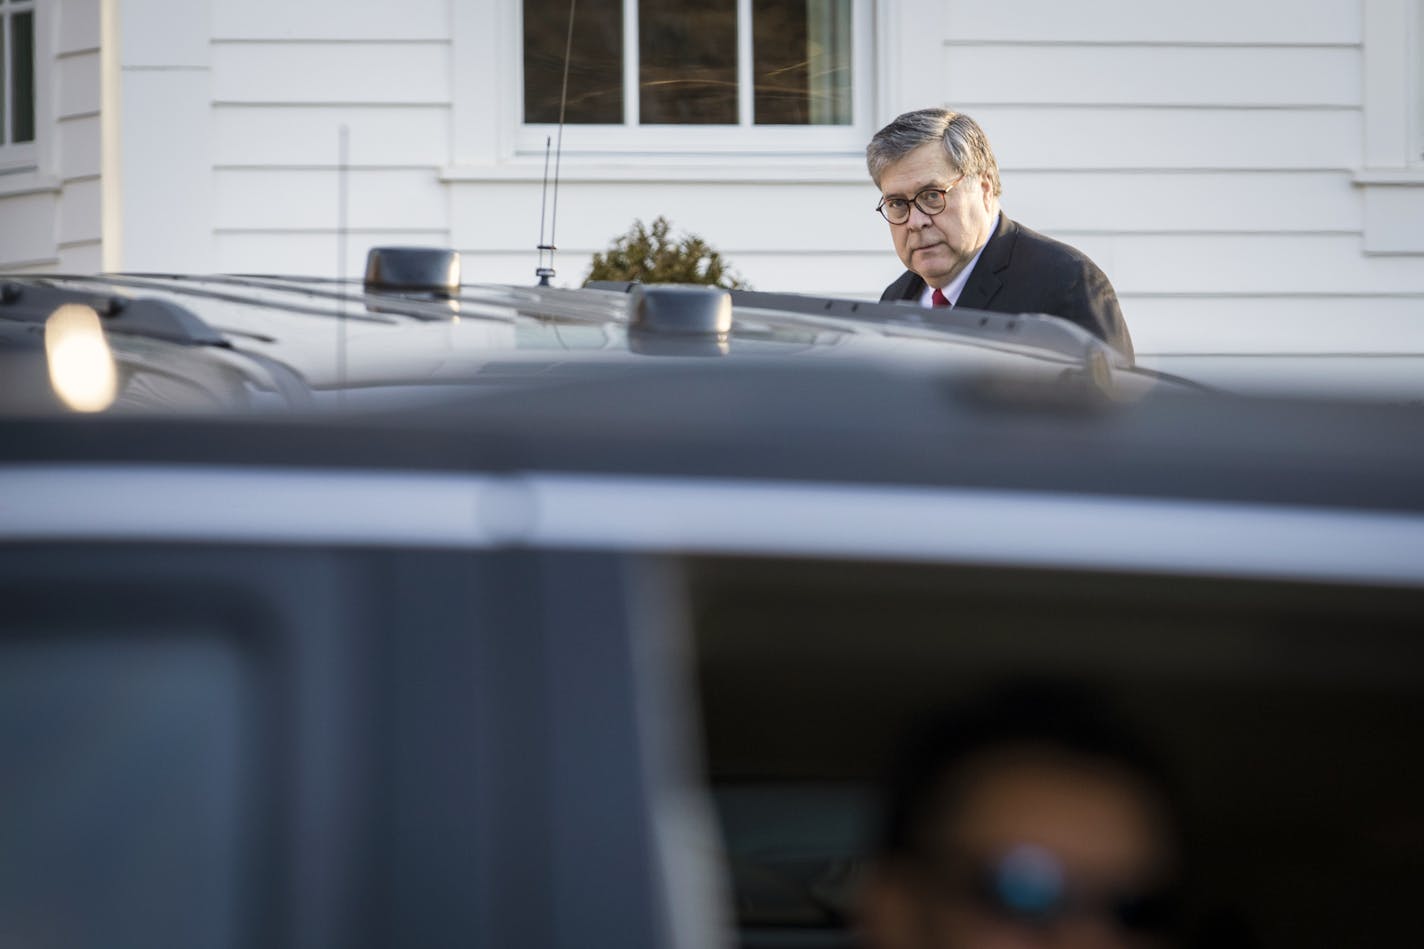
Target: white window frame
{"x": 23, "y": 156}
{"x": 899, "y": 47}
{"x": 745, "y": 136}
{"x": 1394, "y": 84}
{"x": 1417, "y": 72}
{"x": 1392, "y": 179}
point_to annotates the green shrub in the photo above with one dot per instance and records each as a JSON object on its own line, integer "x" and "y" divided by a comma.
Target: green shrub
{"x": 650, "y": 256}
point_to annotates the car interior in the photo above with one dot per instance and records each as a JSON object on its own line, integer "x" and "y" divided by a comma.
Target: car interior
{"x": 195, "y": 694}
{"x": 1288, "y": 716}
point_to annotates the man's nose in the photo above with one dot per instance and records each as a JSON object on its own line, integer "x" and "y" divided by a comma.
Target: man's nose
{"x": 918, "y": 218}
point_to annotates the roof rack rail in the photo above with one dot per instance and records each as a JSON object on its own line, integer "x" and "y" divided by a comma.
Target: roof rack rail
{"x": 1035, "y": 330}
{"x": 613, "y": 286}
{"x": 33, "y": 302}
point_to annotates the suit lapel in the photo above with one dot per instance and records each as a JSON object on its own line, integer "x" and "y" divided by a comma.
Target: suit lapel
{"x": 985, "y": 282}
{"x": 914, "y": 286}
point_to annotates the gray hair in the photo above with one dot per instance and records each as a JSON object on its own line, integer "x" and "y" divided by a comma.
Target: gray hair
{"x": 965, "y": 144}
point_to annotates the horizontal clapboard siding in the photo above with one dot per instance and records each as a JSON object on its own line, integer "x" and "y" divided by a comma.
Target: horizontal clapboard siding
{"x": 841, "y": 218}
{"x": 80, "y": 210}
{"x": 80, "y": 146}
{"x": 1094, "y": 74}
{"x": 287, "y": 79}
{"x": 286, "y": 251}
{"x": 78, "y": 152}
{"x": 77, "y": 133}
{"x": 1244, "y": 22}
{"x": 808, "y": 218}
{"x": 307, "y": 199}
{"x": 76, "y": 77}
{"x": 1262, "y": 201}
{"x": 308, "y": 73}
{"x": 1281, "y": 323}
{"x": 1285, "y": 264}
{"x": 1203, "y": 138}
{"x": 27, "y": 237}
{"x": 331, "y": 20}
{"x": 297, "y": 136}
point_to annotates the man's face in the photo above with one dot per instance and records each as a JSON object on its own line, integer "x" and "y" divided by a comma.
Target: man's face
{"x": 1038, "y": 854}
{"x": 939, "y": 247}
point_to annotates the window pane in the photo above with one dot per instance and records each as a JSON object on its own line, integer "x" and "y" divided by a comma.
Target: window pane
{"x": 801, "y": 62}
{"x": 595, "y": 64}
{"x": 22, "y": 26}
{"x": 687, "y": 62}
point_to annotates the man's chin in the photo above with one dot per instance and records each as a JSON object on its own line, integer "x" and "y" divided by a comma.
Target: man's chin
{"x": 935, "y": 268}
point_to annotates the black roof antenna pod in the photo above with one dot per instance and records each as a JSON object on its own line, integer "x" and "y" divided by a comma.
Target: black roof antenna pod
{"x": 545, "y": 271}
{"x": 432, "y": 270}
{"x": 678, "y": 320}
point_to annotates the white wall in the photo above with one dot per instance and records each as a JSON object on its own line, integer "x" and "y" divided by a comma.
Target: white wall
{"x": 1220, "y": 160}
{"x": 50, "y": 207}
{"x": 1204, "y": 155}
{"x": 286, "y": 78}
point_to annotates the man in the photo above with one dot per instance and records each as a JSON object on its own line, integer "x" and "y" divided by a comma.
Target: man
{"x": 1030, "y": 822}
{"x": 940, "y": 191}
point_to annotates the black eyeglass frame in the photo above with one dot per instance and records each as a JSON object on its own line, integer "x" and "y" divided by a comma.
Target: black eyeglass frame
{"x": 943, "y": 192}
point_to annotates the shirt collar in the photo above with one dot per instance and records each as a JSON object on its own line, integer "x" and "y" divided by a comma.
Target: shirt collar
{"x": 956, "y": 286}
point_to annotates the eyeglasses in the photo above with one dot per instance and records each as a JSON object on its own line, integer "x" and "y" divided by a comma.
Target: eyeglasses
{"x": 1028, "y": 886}
{"x": 930, "y": 200}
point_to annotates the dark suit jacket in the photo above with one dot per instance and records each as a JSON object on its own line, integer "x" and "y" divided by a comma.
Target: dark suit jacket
{"x": 1022, "y": 271}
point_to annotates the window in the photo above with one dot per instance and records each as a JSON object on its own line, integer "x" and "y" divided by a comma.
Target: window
{"x": 17, "y": 72}
{"x": 676, "y": 66}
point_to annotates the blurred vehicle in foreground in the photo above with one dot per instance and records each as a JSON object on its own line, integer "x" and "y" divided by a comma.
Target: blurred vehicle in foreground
{"x": 432, "y": 614}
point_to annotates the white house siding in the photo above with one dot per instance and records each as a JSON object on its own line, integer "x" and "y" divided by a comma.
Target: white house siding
{"x": 286, "y": 79}
{"x": 1204, "y": 155}
{"x": 50, "y": 211}
{"x": 1238, "y": 167}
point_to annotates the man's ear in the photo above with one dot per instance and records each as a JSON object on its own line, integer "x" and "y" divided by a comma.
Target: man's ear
{"x": 887, "y": 910}
{"x": 986, "y": 192}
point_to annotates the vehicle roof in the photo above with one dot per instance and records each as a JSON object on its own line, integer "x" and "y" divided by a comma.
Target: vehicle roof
{"x": 504, "y": 379}
{"x": 835, "y": 422}
{"x": 335, "y": 337}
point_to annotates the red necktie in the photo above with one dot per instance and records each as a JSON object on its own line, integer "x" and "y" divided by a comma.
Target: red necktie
{"x": 939, "y": 299}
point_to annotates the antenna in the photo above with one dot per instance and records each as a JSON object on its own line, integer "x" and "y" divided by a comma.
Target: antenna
{"x": 544, "y": 272}
{"x": 343, "y": 163}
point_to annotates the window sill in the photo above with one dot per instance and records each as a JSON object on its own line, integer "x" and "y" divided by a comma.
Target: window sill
{"x": 698, "y": 170}
{"x": 1394, "y": 206}
{"x": 18, "y": 182}
{"x": 1390, "y": 177}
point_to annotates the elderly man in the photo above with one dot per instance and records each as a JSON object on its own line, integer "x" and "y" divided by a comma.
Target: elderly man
{"x": 940, "y": 194}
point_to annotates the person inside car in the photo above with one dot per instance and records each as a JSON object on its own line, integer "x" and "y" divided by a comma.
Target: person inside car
{"x": 1030, "y": 821}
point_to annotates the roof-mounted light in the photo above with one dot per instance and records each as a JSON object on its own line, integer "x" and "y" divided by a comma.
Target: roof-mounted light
{"x": 433, "y": 270}
{"x": 673, "y": 310}
{"x": 674, "y": 320}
